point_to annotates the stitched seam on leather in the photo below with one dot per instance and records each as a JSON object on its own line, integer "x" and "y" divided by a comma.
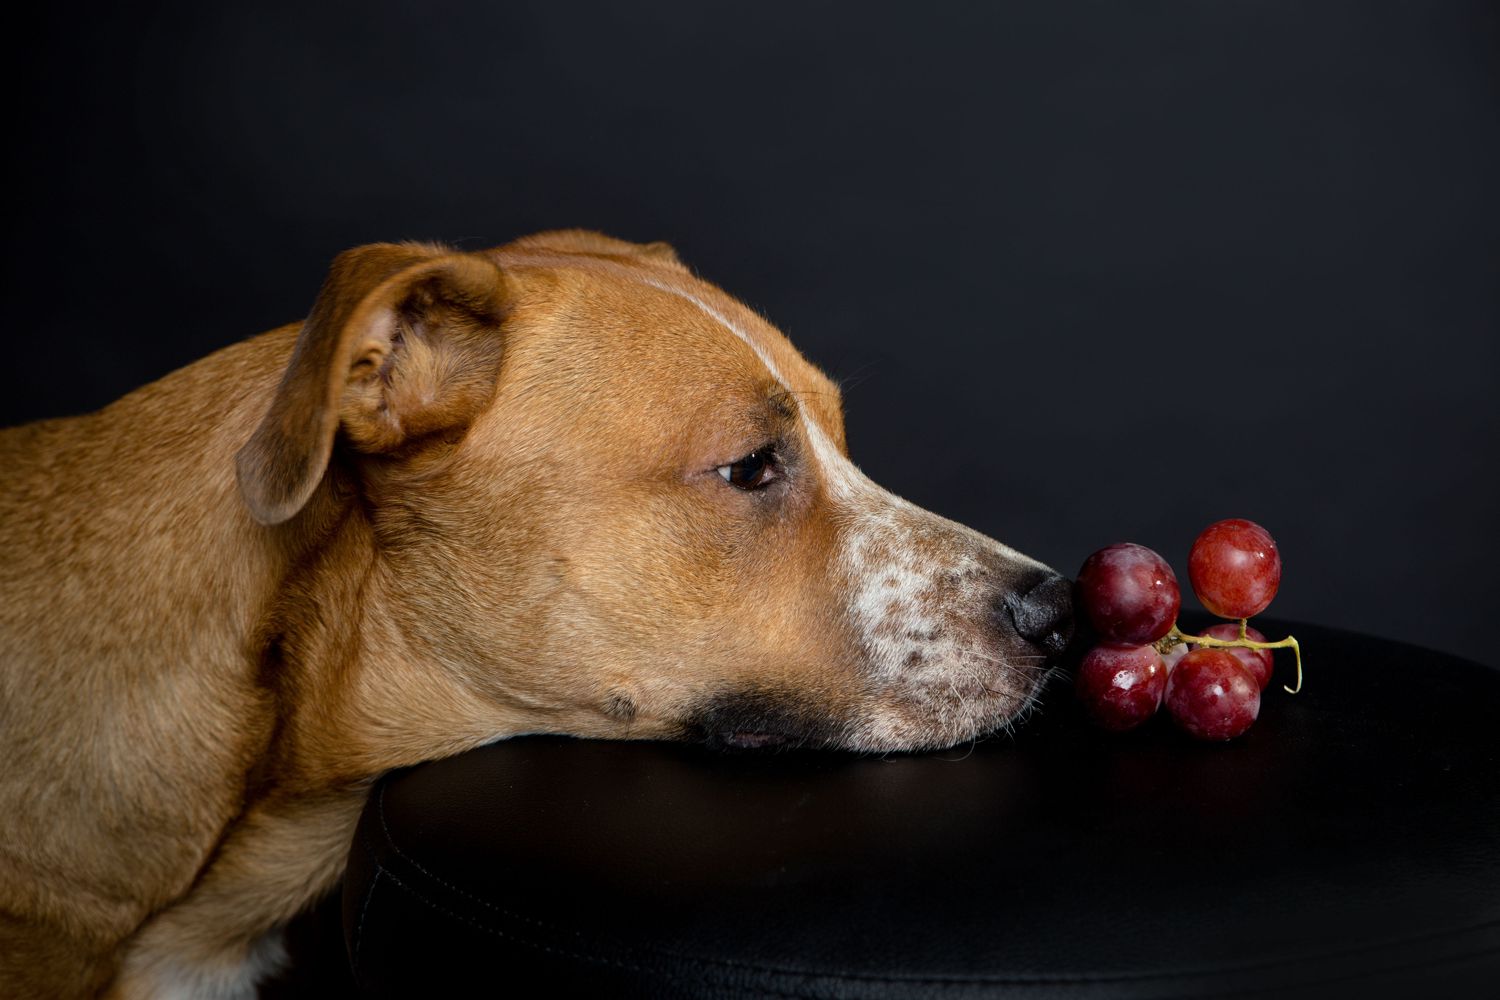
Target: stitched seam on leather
{"x": 1012, "y": 979}
{"x": 535, "y": 945}
{"x": 758, "y": 989}
{"x": 390, "y": 840}
{"x": 1355, "y": 977}
{"x": 359, "y": 928}
{"x": 832, "y": 980}
{"x": 493, "y": 931}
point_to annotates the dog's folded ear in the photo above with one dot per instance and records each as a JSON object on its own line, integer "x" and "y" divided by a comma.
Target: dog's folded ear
{"x": 402, "y": 343}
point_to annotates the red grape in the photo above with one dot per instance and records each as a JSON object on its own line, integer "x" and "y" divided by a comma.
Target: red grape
{"x": 1212, "y": 696}
{"x": 1171, "y": 657}
{"x": 1235, "y": 568}
{"x": 1120, "y": 686}
{"x": 1257, "y": 661}
{"x": 1130, "y": 593}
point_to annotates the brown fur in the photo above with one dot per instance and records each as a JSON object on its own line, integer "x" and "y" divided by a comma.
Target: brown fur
{"x": 472, "y": 495}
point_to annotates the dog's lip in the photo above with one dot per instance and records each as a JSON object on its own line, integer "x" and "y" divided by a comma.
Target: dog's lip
{"x": 758, "y": 719}
{"x": 754, "y": 741}
{"x": 1055, "y": 643}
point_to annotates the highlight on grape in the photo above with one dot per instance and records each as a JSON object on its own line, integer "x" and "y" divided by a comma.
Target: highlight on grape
{"x": 1210, "y": 683}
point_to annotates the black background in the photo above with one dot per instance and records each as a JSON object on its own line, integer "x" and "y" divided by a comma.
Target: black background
{"x": 1091, "y": 271}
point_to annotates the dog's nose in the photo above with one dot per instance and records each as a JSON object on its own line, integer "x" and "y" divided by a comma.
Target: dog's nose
{"x": 1043, "y": 614}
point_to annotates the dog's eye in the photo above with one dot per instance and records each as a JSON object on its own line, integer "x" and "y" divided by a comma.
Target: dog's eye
{"x": 755, "y": 471}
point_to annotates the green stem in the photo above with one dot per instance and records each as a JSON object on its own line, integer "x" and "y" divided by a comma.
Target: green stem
{"x": 1177, "y": 637}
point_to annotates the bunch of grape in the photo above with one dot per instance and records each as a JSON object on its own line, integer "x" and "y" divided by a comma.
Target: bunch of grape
{"x": 1211, "y": 683}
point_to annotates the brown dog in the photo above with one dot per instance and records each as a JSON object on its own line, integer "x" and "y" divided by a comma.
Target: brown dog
{"x": 562, "y": 486}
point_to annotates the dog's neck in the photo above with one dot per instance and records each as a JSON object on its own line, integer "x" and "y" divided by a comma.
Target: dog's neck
{"x": 140, "y": 640}
{"x": 169, "y": 647}
{"x": 359, "y": 695}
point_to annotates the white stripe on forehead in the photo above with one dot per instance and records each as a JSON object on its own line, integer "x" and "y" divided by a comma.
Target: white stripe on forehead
{"x": 876, "y": 505}
{"x": 842, "y": 477}
{"x": 727, "y": 323}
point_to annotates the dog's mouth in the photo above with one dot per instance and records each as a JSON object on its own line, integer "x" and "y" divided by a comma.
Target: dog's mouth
{"x": 755, "y": 741}
{"x": 760, "y": 720}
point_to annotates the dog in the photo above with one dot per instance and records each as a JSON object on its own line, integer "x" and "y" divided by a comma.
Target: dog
{"x": 560, "y": 486}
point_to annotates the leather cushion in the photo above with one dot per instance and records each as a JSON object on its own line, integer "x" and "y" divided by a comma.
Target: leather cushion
{"x": 1349, "y": 843}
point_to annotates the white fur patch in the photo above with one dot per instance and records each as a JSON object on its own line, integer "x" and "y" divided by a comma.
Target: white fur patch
{"x": 841, "y": 475}
{"x": 918, "y": 590}
{"x": 226, "y": 977}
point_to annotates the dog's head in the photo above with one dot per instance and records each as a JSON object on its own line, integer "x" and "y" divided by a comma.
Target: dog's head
{"x": 610, "y": 500}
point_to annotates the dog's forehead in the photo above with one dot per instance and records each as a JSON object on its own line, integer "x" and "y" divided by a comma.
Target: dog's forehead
{"x": 659, "y": 302}
{"x": 710, "y": 309}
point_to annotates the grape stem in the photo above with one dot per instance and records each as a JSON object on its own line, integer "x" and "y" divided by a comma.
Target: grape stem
{"x": 1177, "y": 637}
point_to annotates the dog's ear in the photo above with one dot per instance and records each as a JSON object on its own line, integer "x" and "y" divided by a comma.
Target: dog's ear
{"x": 402, "y": 343}
{"x": 587, "y": 241}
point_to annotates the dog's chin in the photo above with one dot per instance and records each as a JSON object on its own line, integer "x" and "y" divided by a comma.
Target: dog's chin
{"x": 1013, "y": 714}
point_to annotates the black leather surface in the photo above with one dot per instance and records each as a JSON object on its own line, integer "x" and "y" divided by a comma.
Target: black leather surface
{"x": 1348, "y": 845}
